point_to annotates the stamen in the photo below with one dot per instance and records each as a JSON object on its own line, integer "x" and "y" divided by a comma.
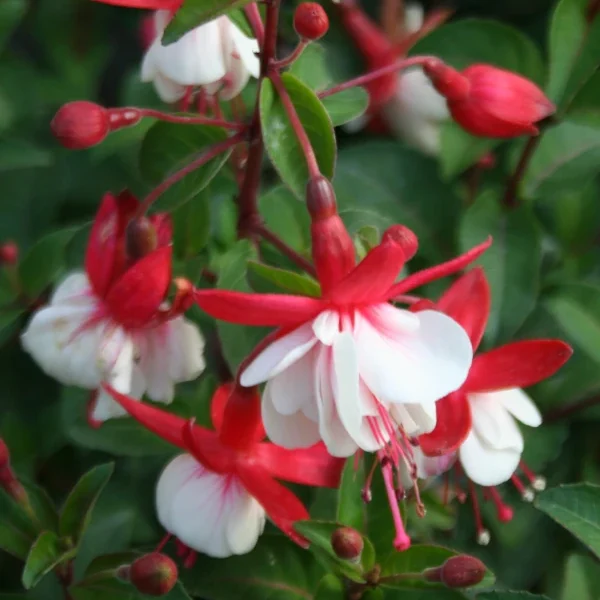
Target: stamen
{"x": 505, "y": 512}
{"x": 163, "y": 542}
{"x": 538, "y": 483}
{"x": 461, "y": 495}
{"x": 366, "y": 493}
{"x": 180, "y": 548}
{"x": 527, "y": 494}
{"x": 483, "y": 535}
{"x": 401, "y": 541}
{"x": 190, "y": 559}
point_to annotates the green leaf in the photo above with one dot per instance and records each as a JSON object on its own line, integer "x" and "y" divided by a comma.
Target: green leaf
{"x": 510, "y": 595}
{"x": 311, "y": 67}
{"x": 11, "y": 12}
{"x": 9, "y": 321}
{"x": 191, "y": 224}
{"x": 20, "y": 154}
{"x": 46, "y": 553}
{"x": 567, "y": 157}
{"x": 276, "y": 569}
{"x": 168, "y": 147}
{"x": 577, "y": 508}
{"x": 43, "y": 263}
{"x": 347, "y": 105}
{"x": 237, "y": 341}
{"x": 350, "y": 507}
{"x": 330, "y": 588}
{"x": 418, "y": 558}
{"x": 512, "y": 263}
{"x": 77, "y": 511}
{"x": 238, "y": 16}
{"x": 13, "y": 541}
{"x": 280, "y": 279}
{"x": 587, "y": 99}
{"x": 582, "y": 578}
{"x": 280, "y": 140}
{"x": 195, "y": 12}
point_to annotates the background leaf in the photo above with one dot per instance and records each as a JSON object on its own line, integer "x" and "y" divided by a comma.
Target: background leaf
{"x": 46, "y": 553}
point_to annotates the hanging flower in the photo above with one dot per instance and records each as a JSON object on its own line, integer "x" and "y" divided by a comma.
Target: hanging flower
{"x": 216, "y": 497}
{"x": 478, "y": 421}
{"x": 216, "y": 56}
{"x": 110, "y": 323}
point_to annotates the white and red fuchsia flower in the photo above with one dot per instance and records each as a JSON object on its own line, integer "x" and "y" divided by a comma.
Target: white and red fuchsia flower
{"x": 216, "y": 497}
{"x": 478, "y": 420}
{"x": 215, "y": 56}
{"x": 110, "y": 323}
{"x": 349, "y": 368}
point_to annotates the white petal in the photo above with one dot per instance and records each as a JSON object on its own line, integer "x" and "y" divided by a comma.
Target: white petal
{"x": 168, "y": 91}
{"x": 415, "y": 419}
{"x": 493, "y": 423}
{"x": 115, "y": 359}
{"x": 520, "y": 406}
{"x": 292, "y": 390}
{"x": 63, "y": 344}
{"x": 414, "y": 15}
{"x": 288, "y": 431}
{"x": 106, "y": 408}
{"x": 247, "y": 49}
{"x": 185, "y": 350}
{"x": 149, "y": 68}
{"x": 484, "y": 465}
{"x": 327, "y": 326}
{"x": 194, "y": 59}
{"x": 415, "y": 367}
{"x": 246, "y": 523}
{"x": 279, "y": 355}
{"x": 75, "y": 289}
{"x": 419, "y": 98}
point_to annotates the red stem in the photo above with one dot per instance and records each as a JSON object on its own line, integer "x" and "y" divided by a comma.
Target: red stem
{"x": 169, "y": 118}
{"x": 562, "y": 412}
{"x": 278, "y": 243}
{"x": 211, "y": 153}
{"x": 368, "y": 77}
{"x": 288, "y": 60}
{"x": 288, "y": 105}
{"x": 255, "y": 20}
{"x": 510, "y": 196}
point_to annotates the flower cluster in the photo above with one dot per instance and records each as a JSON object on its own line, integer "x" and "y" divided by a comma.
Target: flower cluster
{"x": 367, "y": 365}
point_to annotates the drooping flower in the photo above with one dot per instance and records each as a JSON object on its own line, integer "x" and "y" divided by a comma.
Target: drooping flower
{"x": 477, "y": 422}
{"x": 406, "y": 101}
{"x": 110, "y": 323}
{"x": 216, "y": 56}
{"x": 216, "y": 497}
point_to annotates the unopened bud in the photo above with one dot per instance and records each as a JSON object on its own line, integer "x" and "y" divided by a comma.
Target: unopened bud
{"x": 458, "y": 572}
{"x": 347, "y": 543}
{"x": 404, "y": 237}
{"x": 80, "y": 124}
{"x": 320, "y": 198}
{"x": 311, "y": 21}
{"x": 154, "y": 574}
{"x": 140, "y": 238}
{"x": 447, "y": 81}
{"x": 9, "y": 253}
{"x": 8, "y": 480}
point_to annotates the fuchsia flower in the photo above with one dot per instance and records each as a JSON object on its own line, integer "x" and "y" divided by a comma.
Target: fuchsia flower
{"x": 110, "y": 323}
{"x": 215, "y": 497}
{"x": 478, "y": 420}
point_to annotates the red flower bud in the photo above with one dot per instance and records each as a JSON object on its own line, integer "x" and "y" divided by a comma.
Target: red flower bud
{"x": 140, "y": 238}
{"x": 311, "y": 21}
{"x": 320, "y": 198}
{"x": 458, "y": 572}
{"x": 4, "y": 455}
{"x": 154, "y": 574}
{"x": 80, "y": 124}
{"x": 347, "y": 543}
{"x": 9, "y": 253}
{"x": 404, "y": 237}
{"x": 490, "y": 102}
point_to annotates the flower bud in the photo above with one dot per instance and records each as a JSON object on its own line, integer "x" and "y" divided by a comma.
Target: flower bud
{"x": 80, "y": 124}
{"x": 458, "y": 572}
{"x": 9, "y": 253}
{"x": 140, "y": 238}
{"x": 404, "y": 237}
{"x": 320, "y": 198}
{"x": 488, "y": 101}
{"x": 154, "y": 574}
{"x": 4, "y": 455}
{"x": 311, "y": 21}
{"x": 347, "y": 543}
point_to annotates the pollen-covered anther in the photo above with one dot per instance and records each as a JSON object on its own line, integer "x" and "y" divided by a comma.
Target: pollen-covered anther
{"x": 484, "y": 537}
{"x": 539, "y": 483}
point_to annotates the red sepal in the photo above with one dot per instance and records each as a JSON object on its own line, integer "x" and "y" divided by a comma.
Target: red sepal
{"x": 242, "y": 425}
{"x": 516, "y": 365}
{"x": 452, "y": 427}
{"x": 468, "y": 302}
{"x": 280, "y": 504}
{"x": 217, "y": 404}
{"x": 164, "y": 228}
{"x": 269, "y": 310}
{"x": 312, "y": 466}
{"x": 145, "y": 4}
{"x": 135, "y": 297}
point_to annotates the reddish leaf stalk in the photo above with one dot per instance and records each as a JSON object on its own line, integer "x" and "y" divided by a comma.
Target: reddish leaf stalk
{"x": 188, "y": 120}
{"x": 563, "y": 412}
{"x": 211, "y": 153}
{"x": 510, "y": 196}
{"x": 288, "y": 60}
{"x": 307, "y": 149}
{"x": 255, "y": 20}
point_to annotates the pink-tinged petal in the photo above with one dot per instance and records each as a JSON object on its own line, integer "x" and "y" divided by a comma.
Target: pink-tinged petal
{"x": 372, "y": 277}
{"x": 487, "y": 466}
{"x": 279, "y": 355}
{"x": 102, "y": 245}
{"x": 452, "y": 426}
{"x": 518, "y": 364}
{"x": 520, "y": 406}
{"x": 451, "y": 267}
{"x": 468, "y": 302}
{"x": 167, "y": 426}
{"x": 145, "y": 4}
{"x": 280, "y": 504}
{"x": 312, "y": 466}
{"x": 135, "y": 297}
{"x": 268, "y": 310}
